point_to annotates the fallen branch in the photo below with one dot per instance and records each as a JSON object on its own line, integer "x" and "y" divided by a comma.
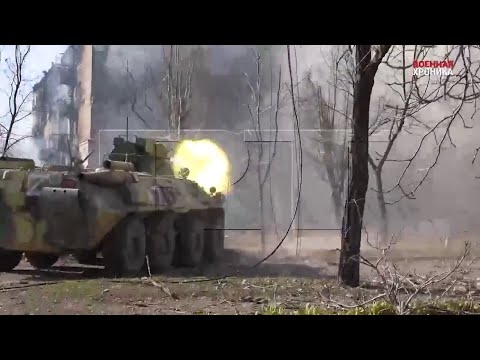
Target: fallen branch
{"x": 152, "y": 282}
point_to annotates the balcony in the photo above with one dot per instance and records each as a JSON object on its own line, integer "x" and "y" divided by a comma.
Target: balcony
{"x": 67, "y": 75}
{"x": 65, "y": 108}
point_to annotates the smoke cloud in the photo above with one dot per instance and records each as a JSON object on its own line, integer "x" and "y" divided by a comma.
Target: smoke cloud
{"x": 234, "y": 91}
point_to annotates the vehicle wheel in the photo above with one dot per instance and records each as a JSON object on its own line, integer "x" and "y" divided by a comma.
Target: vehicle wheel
{"x": 124, "y": 251}
{"x": 215, "y": 237}
{"x": 9, "y": 259}
{"x": 161, "y": 240}
{"x": 40, "y": 260}
{"x": 190, "y": 241}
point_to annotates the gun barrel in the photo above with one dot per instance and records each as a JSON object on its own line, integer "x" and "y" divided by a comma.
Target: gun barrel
{"x": 108, "y": 177}
{"x": 118, "y": 165}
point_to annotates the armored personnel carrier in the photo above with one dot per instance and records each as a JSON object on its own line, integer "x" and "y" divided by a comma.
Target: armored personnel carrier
{"x": 133, "y": 210}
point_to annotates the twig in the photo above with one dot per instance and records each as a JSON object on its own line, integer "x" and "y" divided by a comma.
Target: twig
{"x": 344, "y": 306}
{"x": 20, "y": 287}
{"x": 156, "y": 284}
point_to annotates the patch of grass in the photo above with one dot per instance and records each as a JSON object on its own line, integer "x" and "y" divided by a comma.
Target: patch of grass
{"x": 382, "y": 308}
{"x": 76, "y": 289}
{"x": 75, "y": 296}
{"x": 272, "y": 310}
{"x": 376, "y": 308}
{"x": 202, "y": 312}
{"x": 458, "y": 307}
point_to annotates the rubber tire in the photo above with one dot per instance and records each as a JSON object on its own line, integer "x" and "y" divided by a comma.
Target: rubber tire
{"x": 161, "y": 235}
{"x": 125, "y": 249}
{"x": 9, "y": 259}
{"x": 215, "y": 237}
{"x": 190, "y": 241}
{"x": 41, "y": 261}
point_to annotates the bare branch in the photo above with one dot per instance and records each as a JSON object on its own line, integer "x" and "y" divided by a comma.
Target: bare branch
{"x": 16, "y": 98}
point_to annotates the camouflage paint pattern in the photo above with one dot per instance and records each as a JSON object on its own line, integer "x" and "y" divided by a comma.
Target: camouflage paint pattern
{"x": 55, "y": 210}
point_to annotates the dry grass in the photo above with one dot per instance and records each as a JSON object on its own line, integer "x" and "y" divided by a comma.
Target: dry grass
{"x": 286, "y": 285}
{"x": 265, "y": 295}
{"x": 232, "y": 296}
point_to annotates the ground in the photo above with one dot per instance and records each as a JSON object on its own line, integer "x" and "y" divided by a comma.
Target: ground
{"x": 287, "y": 281}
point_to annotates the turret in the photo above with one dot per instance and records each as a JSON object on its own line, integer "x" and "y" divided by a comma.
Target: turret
{"x": 146, "y": 155}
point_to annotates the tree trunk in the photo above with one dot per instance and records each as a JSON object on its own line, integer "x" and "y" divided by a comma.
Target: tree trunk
{"x": 383, "y": 208}
{"x": 7, "y": 138}
{"x": 337, "y": 200}
{"x": 349, "y": 264}
{"x": 330, "y": 164}
{"x": 262, "y": 223}
{"x": 261, "y": 205}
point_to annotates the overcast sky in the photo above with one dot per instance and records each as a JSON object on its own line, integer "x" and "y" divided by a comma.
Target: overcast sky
{"x": 42, "y": 56}
{"x": 40, "y": 59}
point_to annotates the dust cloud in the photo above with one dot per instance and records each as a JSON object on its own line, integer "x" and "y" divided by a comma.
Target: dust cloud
{"x": 233, "y": 100}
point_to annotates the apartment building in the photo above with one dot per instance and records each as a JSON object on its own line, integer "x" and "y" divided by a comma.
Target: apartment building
{"x": 62, "y": 105}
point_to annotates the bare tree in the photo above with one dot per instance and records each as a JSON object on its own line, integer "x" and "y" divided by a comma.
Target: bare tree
{"x": 179, "y": 88}
{"x": 331, "y": 115}
{"x": 416, "y": 95}
{"x": 259, "y": 110}
{"x": 366, "y": 69}
{"x": 164, "y": 92}
{"x": 398, "y": 114}
{"x": 455, "y": 92}
{"x": 392, "y": 118}
{"x": 17, "y": 95}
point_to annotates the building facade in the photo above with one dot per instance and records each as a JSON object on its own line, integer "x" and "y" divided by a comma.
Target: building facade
{"x": 62, "y": 107}
{"x": 93, "y": 88}
{"x": 54, "y": 113}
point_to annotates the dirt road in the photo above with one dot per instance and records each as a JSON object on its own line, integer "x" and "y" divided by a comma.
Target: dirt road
{"x": 73, "y": 289}
{"x": 287, "y": 280}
